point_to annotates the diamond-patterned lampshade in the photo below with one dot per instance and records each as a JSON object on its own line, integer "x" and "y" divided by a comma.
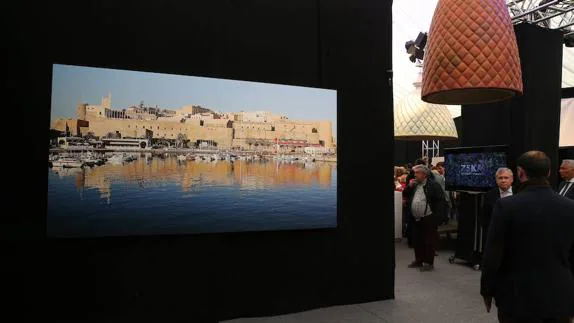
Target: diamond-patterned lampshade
{"x": 418, "y": 120}
{"x": 472, "y": 54}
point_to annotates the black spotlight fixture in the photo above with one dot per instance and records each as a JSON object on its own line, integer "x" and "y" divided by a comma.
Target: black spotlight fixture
{"x": 410, "y": 47}
{"x": 416, "y": 48}
{"x": 419, "y": 54}
{"x": 421, "y": 40}
{"x": 569, "y": 40}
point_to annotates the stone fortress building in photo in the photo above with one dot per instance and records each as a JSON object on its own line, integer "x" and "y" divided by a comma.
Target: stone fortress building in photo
{"x": 200, "y": 126}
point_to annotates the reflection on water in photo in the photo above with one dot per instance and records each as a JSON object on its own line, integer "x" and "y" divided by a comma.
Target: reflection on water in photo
{"x": 153, "y": 195}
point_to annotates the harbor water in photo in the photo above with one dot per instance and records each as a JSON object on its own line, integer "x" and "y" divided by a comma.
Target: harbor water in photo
{"x": 145, "y": 194}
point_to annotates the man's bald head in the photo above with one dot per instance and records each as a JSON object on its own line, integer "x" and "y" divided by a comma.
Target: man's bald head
{"x": 533, "y": 165}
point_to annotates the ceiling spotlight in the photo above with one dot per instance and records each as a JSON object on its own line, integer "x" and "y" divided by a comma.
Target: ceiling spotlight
{"x": 419, "y": 53}
{"x": 421, "y": 40}
{"x": 416, "y": 48}
{"x": 410, "y": 47}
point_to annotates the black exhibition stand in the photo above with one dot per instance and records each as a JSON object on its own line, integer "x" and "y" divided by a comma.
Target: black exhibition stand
{"x": 220, "y": 276}
{"x": 470, "y": 234}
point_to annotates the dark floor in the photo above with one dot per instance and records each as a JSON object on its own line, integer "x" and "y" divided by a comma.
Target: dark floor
{"x": 449, "y": 294}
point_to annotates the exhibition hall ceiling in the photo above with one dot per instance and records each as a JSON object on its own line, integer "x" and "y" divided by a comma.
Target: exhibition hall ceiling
{"x": 552, "y": 14}
{"x": 410, "y": 17}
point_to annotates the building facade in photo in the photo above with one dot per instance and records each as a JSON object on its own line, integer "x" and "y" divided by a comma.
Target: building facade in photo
{"x": 240, "y": 130}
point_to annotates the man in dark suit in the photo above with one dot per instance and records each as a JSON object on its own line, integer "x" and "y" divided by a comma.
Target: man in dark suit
{"x": 526, "y": 268}
{"x": 426, "y": 201}
{"x": 566, "y": 188}
{"x": 504, "y": 179}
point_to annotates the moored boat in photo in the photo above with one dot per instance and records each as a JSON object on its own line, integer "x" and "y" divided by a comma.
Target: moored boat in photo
{"x": 67, "y": 162}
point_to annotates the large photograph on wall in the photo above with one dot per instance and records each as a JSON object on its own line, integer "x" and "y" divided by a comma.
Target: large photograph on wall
{"x": 567, "y": 123}
{"x": 138, "y": 153}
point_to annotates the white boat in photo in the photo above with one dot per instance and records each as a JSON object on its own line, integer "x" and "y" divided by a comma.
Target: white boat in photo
{"x": 181, "y": 157}
{"x": 285, "y": 158}
{"x": 51, "y": 159}
{"x": 116, "y": 160}
{"x": 90, "y": 160}
{"x": 66, "y": 171}
{"x": 67, "y": 162}
{"x": 128, "y": 158}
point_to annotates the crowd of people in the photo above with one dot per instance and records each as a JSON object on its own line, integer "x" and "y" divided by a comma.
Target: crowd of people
{"x": 528, "y": 258}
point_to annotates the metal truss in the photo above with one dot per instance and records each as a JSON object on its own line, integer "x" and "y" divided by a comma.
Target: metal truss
{"x": 430, "y": 148}
{"x": 552, "y": 14}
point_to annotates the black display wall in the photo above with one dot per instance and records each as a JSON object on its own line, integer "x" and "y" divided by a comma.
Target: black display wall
{"x": 336, "y": 44}
{"x": 444, "y": 144}
{"x": 531, "y": 121}
{"x": 407, "y": 152}
{"x": 567, "y": 92}
{"x": 566, "y": 153}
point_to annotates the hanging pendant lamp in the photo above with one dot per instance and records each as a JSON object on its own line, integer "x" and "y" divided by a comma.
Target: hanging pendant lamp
{"x": 471, "y": 55}
{"x": 418, "y": 120}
